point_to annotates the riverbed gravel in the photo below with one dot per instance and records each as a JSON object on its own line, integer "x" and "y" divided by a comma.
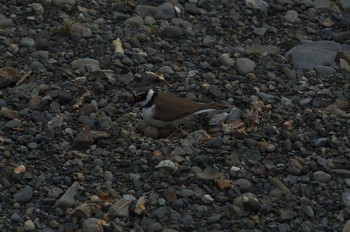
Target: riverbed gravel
{"x": 75, "y": 156}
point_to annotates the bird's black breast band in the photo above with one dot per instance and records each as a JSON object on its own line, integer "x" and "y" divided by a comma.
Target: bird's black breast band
{"x": 151, "y": 101}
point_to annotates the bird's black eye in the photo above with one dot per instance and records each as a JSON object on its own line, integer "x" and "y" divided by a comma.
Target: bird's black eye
{"x": 137, "y": 98}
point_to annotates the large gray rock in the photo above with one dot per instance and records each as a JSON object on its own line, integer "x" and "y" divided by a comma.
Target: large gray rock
{"x": 311, "y": 54}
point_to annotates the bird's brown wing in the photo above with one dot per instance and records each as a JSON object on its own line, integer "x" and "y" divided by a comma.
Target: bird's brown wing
{"x": 179, "y": 106}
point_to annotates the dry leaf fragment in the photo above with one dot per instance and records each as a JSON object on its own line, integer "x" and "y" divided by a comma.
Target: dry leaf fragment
{"x": 205, "y": 86}
{"x": 101, "y": 222}
{"x": 257, "y": 106}
{"x": 118, "y": 46}
{"x": 140, "y": 205}
{"x": 104, "y": 196}
{"x": 234, "y": 126}
{"x": 334, "y": 110}
{"x": 85, "y": 210}
{"x": 224, "y": 183}
{"x": 20, "y": 169}
{"x": 80, "y": 101}
{"x": 23, "y": 78}
{"x": 157, "y": 154}
{"x": 196, "y": 138}
{"x": 328, "y": 22}
{"x": 288, "y": 125}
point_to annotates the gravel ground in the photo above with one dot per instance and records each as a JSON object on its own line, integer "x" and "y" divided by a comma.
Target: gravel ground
{"x": 74, "y": 156}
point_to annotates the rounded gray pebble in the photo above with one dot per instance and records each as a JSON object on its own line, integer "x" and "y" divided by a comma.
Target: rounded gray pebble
{"x": 24, "y": 195}
{"x": 322, "y": 177}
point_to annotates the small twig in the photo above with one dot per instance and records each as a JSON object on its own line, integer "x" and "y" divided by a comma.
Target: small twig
{"x": 23, "y": 77}
{"x": 257, "y": 106}
{"x": 158, "y": 76}
{"x": 81, "y": 99}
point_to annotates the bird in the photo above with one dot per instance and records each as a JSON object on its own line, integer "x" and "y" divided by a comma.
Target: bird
{"x": 166, "y": 110}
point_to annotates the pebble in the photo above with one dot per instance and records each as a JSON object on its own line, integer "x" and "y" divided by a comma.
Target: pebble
{"x": 169, "y": 195}
{"x": 24, "y": 195}
{"x": 120, "y": 208}
{"x": 207, "y": 199}
{"x": 322, "y": 177}
{"x": 243, "y": 184}
{"x": 308, "y": 210}
{"x": 280, "y": 185}
{"x": 135, "y": 21}
{"x": 28, "y": 42}
{"x": 276, "y": 155}
{"x": 287, "y": 215}
{"x": 258, "y": 4}
{"x": 85, "y": 64}
{"x": 294, "y": 167}
{"x": 276, "y": 195}
{"x": 226, "y": 60}
{"x": 12, "y": 124}
{"x": 166, "y": 165}
{"x": 215, "y": 90}
{"x": 68, "y": 198}
{"x": 346, "y": 227}
{"x": 252, "y": 155}
{"x": 186, "y": 193}
{"x": 145, "y": 10}
{"x": 92, "y": 225}
{"x": 54, "y": 192}
{"x": 165, "y": 11}
{"x": 6, "y": 22}
{"x": 83, "y": 140}
{"x": 245, "y": 65}
{"x": 7, "y": 113}
{"x": 213, "y": 219}
{"x": 16, "y": 218}
{"x": 173, "y": 32}
{"x": 292, "y": 16}
{"x": 216, "y": 142}
{"x": 29, "y": 225}
{"x": 209, "y": 41}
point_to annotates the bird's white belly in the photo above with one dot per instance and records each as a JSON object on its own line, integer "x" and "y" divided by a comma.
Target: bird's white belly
{"x": 148, "y": 116}
{"x": 148, "y": 113}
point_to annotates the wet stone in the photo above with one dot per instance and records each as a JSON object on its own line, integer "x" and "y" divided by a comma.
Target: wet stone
{"x": 252, "y": 155}
{"x": 322, "y": 176}
{"x": 16, "y": 218}
{"x": 286, "y": 215}
{"x": 294, "y": 167}
{"x": 308, "y": 210}
{"x": 74, "y": 149}
{"x": 173, "y": 31}
{"x": 245, "y": 65}
{"x": 24, "y": 195}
